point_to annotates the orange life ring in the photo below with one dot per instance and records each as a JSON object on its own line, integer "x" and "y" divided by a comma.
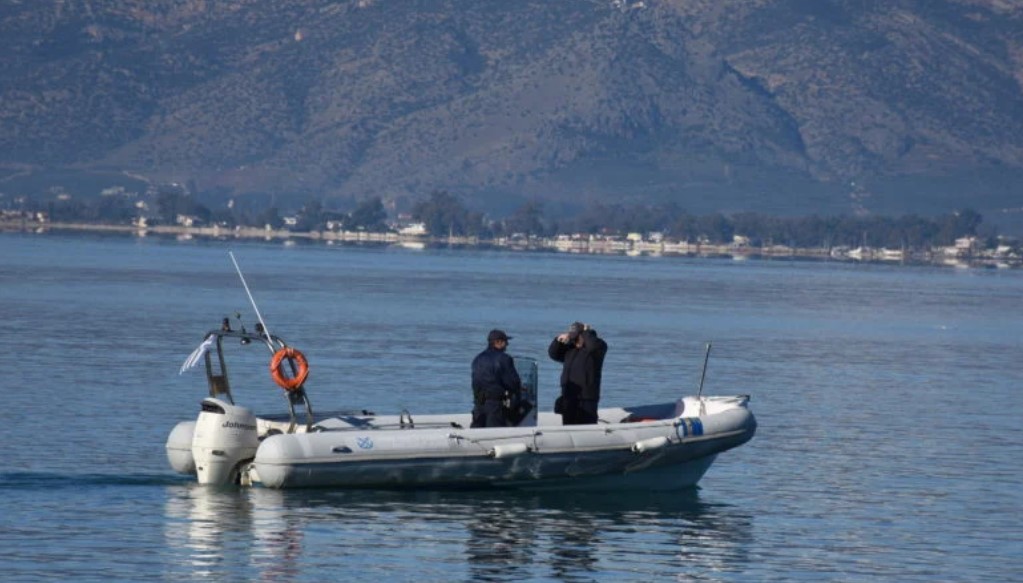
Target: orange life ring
{"x": 298, "y": 361}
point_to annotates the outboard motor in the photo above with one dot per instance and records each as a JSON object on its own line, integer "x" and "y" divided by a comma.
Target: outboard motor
{"x": 225, "y": 437}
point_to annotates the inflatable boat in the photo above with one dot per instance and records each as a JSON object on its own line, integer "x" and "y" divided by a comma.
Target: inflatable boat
{"x": 661, "y": 446}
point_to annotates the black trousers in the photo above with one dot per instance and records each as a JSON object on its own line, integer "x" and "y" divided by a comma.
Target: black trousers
{"x": 579, "y": 412}
{"x": 489, "y": 414}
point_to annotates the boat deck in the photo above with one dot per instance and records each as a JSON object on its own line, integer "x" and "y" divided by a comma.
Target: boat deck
{"x": 362, "y": 419}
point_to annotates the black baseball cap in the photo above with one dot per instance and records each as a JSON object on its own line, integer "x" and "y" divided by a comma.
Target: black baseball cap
{"x": 496, "y": 335}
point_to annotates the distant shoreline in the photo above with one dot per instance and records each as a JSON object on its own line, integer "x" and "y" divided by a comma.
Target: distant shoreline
{"x": 602, "y": 246}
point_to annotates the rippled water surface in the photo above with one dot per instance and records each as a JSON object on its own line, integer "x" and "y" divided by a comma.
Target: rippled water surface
{"x": 889, "y": 446}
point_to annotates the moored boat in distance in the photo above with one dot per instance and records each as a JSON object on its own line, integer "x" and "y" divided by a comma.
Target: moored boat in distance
{"x": 661, "y": 446}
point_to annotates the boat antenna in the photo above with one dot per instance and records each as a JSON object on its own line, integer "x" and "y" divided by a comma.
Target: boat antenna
{"x": 266, "y": 331}
{"x": 703, "y": 375}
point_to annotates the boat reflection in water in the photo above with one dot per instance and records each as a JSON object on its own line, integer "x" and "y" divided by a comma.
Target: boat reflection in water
{"x": 478, "y": 535}
{"x": 233, "y": 531}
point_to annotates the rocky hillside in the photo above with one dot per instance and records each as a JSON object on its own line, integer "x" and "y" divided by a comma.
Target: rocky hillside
{"x": 784, "y": 106}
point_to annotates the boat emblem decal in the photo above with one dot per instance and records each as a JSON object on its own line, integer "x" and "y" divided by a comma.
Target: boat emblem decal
{"x": 364, "y": 442}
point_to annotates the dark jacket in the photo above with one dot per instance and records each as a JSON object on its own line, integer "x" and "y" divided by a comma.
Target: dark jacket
{"x": 493, "y": 374}
{"x": 580, "y": 376}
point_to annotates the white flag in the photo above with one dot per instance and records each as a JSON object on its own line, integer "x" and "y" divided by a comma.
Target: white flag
{"x": 197, "y": 354}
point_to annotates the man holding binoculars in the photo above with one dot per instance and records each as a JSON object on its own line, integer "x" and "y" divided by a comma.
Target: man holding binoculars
{"x": 582, "y": 354}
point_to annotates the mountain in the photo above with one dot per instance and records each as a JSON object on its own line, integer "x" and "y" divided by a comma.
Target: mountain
{"x": 778, "y": 106}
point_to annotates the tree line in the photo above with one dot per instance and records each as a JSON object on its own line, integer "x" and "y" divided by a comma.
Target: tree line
{"x": 170, "y": 203}
{"x": 446, "y": 214}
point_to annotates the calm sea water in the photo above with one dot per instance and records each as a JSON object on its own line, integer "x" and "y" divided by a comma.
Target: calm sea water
{"x": 890, "y": 446}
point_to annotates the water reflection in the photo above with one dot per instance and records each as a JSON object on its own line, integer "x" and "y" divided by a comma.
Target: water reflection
{"x": 277, "y": 535}
{"x": 573, "y": 547}
{"x": 499, "y": 543}
{"x": 196, "y": 523}
{"x": 478, "y": 536}
{"x": 230, "y": 530}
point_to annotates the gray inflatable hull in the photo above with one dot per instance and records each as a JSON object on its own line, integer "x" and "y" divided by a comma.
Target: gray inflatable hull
{"x": 657, "y": 455}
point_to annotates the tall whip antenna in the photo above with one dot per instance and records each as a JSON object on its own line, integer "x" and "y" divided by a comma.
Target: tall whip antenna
{"x": 703, "y": 375}
{"x": 253, "y": 301}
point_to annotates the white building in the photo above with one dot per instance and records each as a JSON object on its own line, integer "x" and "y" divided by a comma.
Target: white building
{"x": 413, "y": 229}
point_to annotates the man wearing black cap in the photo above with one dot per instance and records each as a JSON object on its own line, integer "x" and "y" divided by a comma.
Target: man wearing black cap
{"x": 582, "y": 353}
{"x": 494, "y": 379}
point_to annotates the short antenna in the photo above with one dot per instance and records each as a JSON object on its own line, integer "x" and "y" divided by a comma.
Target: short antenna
{"x": 253, "y": 301}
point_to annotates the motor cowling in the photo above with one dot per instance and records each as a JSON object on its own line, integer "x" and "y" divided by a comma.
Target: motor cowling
{"x": 226, "y": 436}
